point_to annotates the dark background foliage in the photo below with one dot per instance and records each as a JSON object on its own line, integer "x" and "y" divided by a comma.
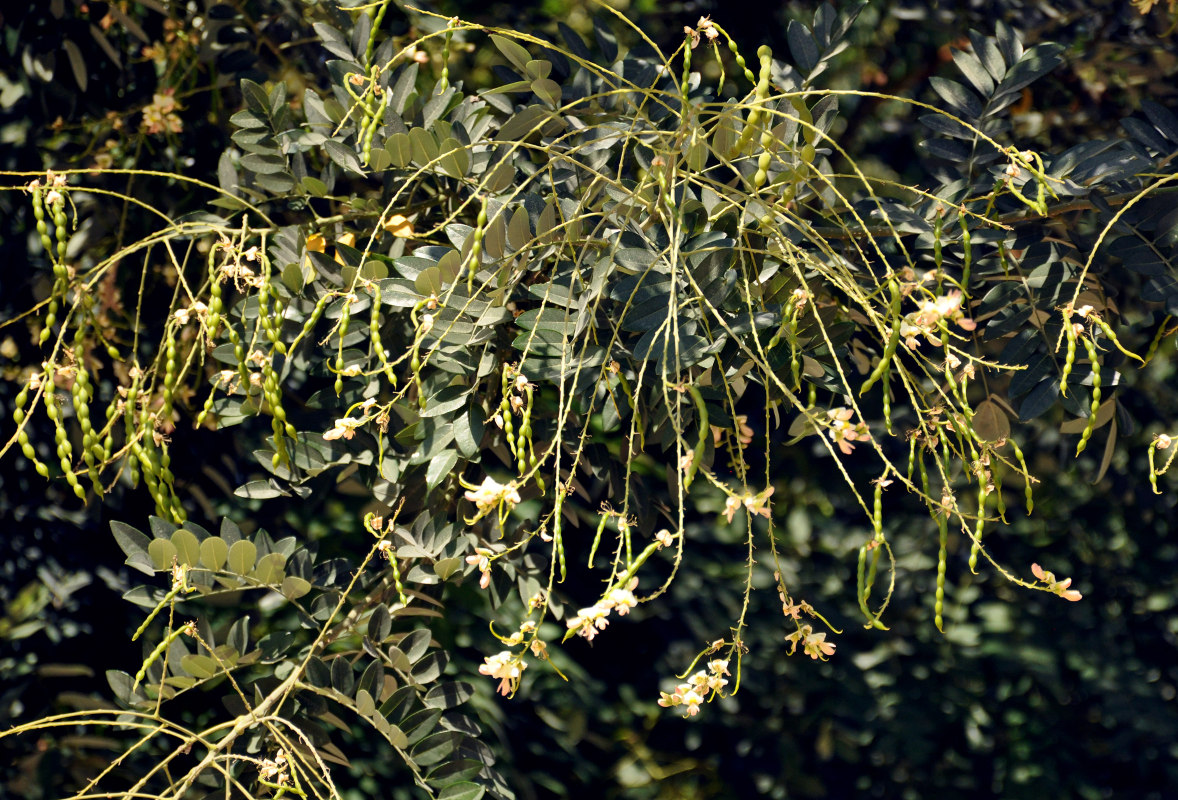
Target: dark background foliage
{"x": 1023, "y": 696}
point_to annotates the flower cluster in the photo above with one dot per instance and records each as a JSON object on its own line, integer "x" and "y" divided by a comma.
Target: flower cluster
{"x": 755, "y": 503}
{"x": 507, "y": 668}
{"x": 744, "y": 433}
{"x": 928, "y": 320}
{"x": 160, "y": 116}
{"x": 691, "y": 694}
{"x": 1058, "y": 587}
{"x": 490, "y": 493}
{"x": 274, "y": 769}
{"x": 195, "y": 311}
{"x": 813, "y": 644}
{"x": 842, "y": 432}
{"x": 592, "y": 620}
{"x": 704, "y": 26}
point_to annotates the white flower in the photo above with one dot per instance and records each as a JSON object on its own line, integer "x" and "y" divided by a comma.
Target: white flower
{"x": 491, "y": 493}
{"x": 507, "y": 668}
{"x": 344, "y": 429}
{"x": 590, "y": 621}
{"x": 621, "y": 599}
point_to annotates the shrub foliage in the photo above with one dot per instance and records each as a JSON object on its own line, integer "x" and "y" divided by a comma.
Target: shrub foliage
{"x": 538, "y": 331}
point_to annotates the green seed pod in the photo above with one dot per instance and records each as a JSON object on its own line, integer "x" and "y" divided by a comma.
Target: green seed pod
{"x": 976, "y": 546}
{"x": 1161, "y": 334}
{"x": 966, "y": 254}
{"x": 376, "y": 121}
{"x": 1069, "y": 356}
{"x": 760, "y": 94}
{"x": 705, "y": 433}
{"x": 395, "y": 564}
{"x": 50, "y": 320}
{"x": 1028, "y": 492}
{"x": 942, "y": 562}
{"x": 877, "y": 506}
{"x": 1094, "y": 407}
{"x": 342, "y": 331}
{"x": 26, "y": 448}
{"x": 509, "y": 432}
{"x": 155, "y": 654}
{"x": 207, "y": 408}
{"x": 893, "y": 340}
{"x": 216, "y": 300}
{"x": 558, "y": 541}
{"x": 444, "y": 81}
{"x": 171, "y": 365}
{"x": 476, "y": 246}
{"x": 18, "y": 404}
{"x": 795, "y": 362}
{"x": 61, "y": 228}
{"x": 740, "y": 62}
{"x": 597, "y": 537}
{"x": 1112, "y": 337}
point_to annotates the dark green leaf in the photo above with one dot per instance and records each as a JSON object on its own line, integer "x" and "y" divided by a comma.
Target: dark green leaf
{"x": 454, "y": 772}
{"x": 420, "y": 724}
{"x": 1034, "y": 64}
{"x": 343, "y": 155}
{"x": 436, "y": 747}
{"x": 343, "y": 680}
{"x": 802, "y": 46}
{"x": 440, "y": 467}
{"x": 415, "y": 644}
{"x": 1039, "y": 400}
{"x": 275, "y": 645}
{"x": 318, "y": 673}
{"x": 449, "y": 695}
{"x": 462, "y": 791}
{"x": 430, "y": 668}
{"x": 260, "y": 490}
{"x": 962, "y": 102}
{"x": 380, "y": 624}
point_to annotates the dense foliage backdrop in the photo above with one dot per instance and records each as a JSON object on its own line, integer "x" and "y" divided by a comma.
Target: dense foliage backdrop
{"x": 389, "y": 345}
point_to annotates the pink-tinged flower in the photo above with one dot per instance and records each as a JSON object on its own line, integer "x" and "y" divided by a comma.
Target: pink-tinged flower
{"x": 1059, "y": 587}
{"x": 731, "y": 506}
{"x": 507, "y": 668}
{"x": 621, "y": 599}
{"x": 590, "y": 621}
{"x": 927, "y": 320}
{"x": 842, "y": 432}
{"x": 664, "y": 538}
{"x": 759, "y": 503}
{"x": 817, "y": 647}
{"x": 482, "y": 560}
{"x": 744, "y": 433}
{"x": 813, "y": 644}
{"x": 160, "y": 116}
{"x": 795, "y": 637}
